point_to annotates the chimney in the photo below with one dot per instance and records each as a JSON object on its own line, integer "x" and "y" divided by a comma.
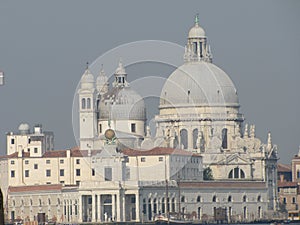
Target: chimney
{"x": 281, "y": 177}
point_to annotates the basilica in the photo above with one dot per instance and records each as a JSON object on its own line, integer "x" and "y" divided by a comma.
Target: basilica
{"x": 120, "y": 172}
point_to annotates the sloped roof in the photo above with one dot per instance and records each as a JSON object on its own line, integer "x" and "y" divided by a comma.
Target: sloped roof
{"x": 31, "y": 188}
{"x": 284, "y": 167}
{"x": 282, "y": 184}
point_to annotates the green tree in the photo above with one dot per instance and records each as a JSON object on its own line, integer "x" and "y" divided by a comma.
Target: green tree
{"x": 207, "y": 174}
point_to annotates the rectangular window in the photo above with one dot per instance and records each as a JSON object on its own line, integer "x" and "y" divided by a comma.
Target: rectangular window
{"x": 28, "y": 149}
{"x": 284, "y": 200}
{"x": 26, "y": 162}
{"x": 35, "y": 166}
{"x": 12, "y": 141}
{"x": 160, "y": 159}
{"x": 77, "y": 161}
{"x": 12, "y": 162}
{"x": 108, "y": 173}
{"x": 77, "y": 182}
{"x": 48, "y": 182}
{"x": 77, "y": 172}
{"x": 133, "y": 128}
{"x": 294, "y": 200}
{"x": 48, "y": 173}
{"x": 29, "y": 140}
{"x": 61, "y": 161}
{"x": 100, "y": 128}
{"x": 62, "y": 173}
{"x": 93, "y": 172}
{"x": 12, "y": 173}
{"x": 143, "y": 159}
{"x": 127, "y": 173}
{"x": 62, "y": 182}
{"x": 35, "y": 150}
{"x": 48, "y": 161}
{"x": 26, "y": 173}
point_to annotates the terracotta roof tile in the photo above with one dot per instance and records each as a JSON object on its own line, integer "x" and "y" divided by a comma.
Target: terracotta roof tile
{"x": 158, "y": 151}
{"x": 30, "y": 188}
{"x": 287, "y": 184}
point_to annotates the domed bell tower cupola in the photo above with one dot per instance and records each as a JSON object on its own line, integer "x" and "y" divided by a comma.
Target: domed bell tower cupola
{"x": 102, "y": 84}
{"x": 120, "y": 76}
{"x": 197, "y": 48}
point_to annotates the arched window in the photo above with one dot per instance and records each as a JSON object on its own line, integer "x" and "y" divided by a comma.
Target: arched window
{"x": 236, "y": 173}
{"x": 88, "y": 103}
{"x": 40, "y": 202}
{"x": 259, "y": 212}
{"x": 195, "y": 137}
{"x": 49, "y": 201}
{"x": 245, "y": 212}
{"x": 224, "y": 138}
{"x": 229, "y": 198}
{"x": 244, "y": 198}
{"x": 183, "y": 139}
{"x": 214, "y": 199}
{"x": 163, "y": 206}
{"x": 83, "y": 103}
{"x": 259, "y": 198}
{"x": 30, "y": 201}
{"x": 199, "y": 199}
{"x": 154, "y": 205}
{"x": 173, "y": 205}
{"x": 182, "y": 199}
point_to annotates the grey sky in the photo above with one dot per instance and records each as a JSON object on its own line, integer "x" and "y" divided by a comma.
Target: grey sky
{"x": 44, "y": 47}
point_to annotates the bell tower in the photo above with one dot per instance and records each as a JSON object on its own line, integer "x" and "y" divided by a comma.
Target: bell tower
{"x": 87, "y": 111}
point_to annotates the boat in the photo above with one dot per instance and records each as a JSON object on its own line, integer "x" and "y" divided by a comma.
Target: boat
{"x": 164, "y": 219}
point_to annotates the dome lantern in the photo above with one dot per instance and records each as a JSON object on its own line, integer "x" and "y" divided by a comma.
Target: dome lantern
{"x": 87, "y": 79}
{"x": 120, "y": 76}
{"x": 197, "y": 48}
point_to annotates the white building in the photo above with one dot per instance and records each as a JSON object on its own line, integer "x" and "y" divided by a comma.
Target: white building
{"x": 112, "y": 177}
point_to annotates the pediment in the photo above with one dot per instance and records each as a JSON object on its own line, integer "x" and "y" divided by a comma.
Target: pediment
{"x": 234, "y": 159}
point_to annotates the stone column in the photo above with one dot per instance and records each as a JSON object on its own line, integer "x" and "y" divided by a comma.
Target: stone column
{"x": 80, "y": 219}
{"x": 118, "y": 205}
{"x": 113, "y": 206}
{"x": 93, "y": 208}
{"x": 137, "y": 206}
{"x": 98, "y": 209}
{"x": 123, "y": 207}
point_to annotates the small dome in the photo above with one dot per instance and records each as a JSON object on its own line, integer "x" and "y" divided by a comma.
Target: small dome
{"x": 87, "y": 79}
{"x": 199, "y": 84}
{"x": 196, "y": 32}
{"x": 24, "y": 128}
{"x": 123, "y": 103}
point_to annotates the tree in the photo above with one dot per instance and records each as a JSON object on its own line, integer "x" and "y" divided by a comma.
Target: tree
{"x": 207, "y": 174}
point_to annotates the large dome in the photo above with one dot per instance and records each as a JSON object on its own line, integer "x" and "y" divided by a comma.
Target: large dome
{"x": 123, "y": 103}
{"x": 199, "y": 84}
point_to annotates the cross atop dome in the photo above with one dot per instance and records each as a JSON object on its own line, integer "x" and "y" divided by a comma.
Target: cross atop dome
{"x": 197, "y": 19}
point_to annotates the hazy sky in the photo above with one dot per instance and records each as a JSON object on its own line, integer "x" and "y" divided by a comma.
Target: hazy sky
{"x": 44, "y": 46}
